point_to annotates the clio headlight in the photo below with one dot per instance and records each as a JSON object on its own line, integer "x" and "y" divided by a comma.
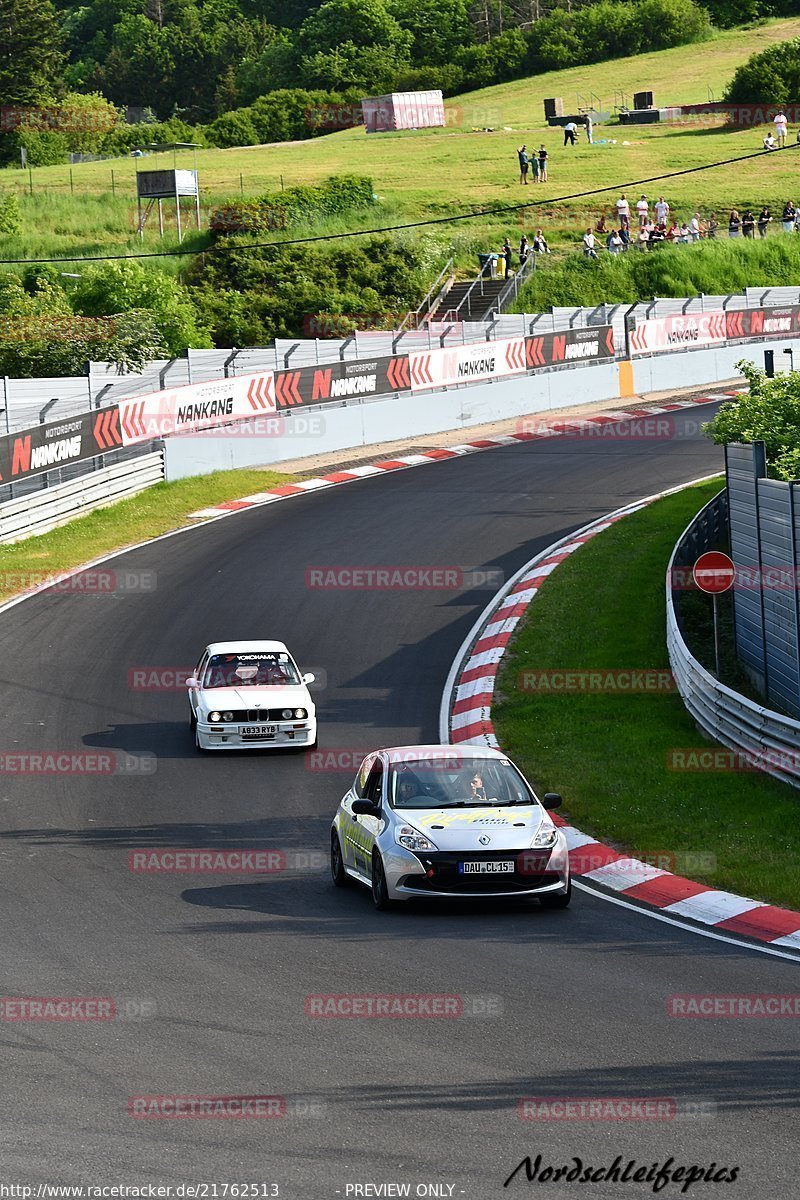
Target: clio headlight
{"x": 412, "y": 839}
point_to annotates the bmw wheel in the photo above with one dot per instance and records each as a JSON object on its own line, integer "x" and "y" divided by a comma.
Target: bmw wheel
{"x": 557, "y": 901}
{"x": 338, "y": 874}
{"x": 380, "y": 888}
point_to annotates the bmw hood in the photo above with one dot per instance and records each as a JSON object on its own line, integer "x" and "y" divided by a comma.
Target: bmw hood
{"x": 253, "y": 697}
{"x": 506, "y": 828}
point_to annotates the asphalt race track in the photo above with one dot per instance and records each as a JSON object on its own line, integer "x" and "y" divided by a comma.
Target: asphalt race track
{"x": 217, "y": 966}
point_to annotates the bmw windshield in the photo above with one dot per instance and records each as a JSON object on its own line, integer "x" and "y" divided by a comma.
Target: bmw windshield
{"x": 264, "y": 669}
{"x": 457, "y": 782}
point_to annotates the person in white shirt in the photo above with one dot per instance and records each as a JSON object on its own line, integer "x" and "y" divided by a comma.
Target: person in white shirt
{"x": 662, "y": 211}
{"x": 694, "y": 228}
{"x": 781, "y": 126}
{"x": 643, "y": 209}
{"x": 770, "y": 143}
{"x": 623, "y": 211}
{"x": 589, "y": 245}
{"x": 570, "y": 130}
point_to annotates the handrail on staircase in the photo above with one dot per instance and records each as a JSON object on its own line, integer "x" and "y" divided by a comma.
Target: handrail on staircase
{"x": 511, "y": 290}
{"x": 434, "y": 295}
{"x": 484, "y": 274}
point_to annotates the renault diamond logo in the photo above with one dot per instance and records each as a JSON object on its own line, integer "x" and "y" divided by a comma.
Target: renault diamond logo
{"x": 484, "y": 840}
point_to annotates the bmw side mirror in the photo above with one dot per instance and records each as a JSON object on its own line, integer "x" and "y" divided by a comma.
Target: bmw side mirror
{"x": 192, "y": 682}
{"x": 552, "y": 800}
{"x": 365, "y": 808}
{"x": 309, "y": 678}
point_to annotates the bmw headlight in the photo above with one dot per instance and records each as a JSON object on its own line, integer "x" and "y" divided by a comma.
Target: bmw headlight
{"x": 300, "y": 713}
{"x": 227, "y": 716}
{"x": 287, "y": 714}
{"x": 412, "y": 839}
{"x": 545, "y": 838}
{"x": 214, "y": 717}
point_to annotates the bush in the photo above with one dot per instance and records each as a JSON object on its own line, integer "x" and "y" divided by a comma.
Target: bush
{"x": 295, "y": 206}
{"x": 769, "y": 413}
{"x": 771, "y": 77}
{"x": 10, "y": 215}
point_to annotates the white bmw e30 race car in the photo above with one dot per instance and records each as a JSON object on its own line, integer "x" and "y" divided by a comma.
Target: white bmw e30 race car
{"x": 250, "y": 696}
{"x": 456, "y": 821}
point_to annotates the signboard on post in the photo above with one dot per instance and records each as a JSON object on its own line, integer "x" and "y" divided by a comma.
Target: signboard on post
{"x": 714, "y": 573}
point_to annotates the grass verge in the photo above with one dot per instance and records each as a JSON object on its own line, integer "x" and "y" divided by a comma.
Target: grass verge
{"x": 157, "y": 510}
{"x": 607, "y": 752}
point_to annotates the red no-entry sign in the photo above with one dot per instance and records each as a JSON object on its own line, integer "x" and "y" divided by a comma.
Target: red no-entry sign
{"x": 714, "y": 572}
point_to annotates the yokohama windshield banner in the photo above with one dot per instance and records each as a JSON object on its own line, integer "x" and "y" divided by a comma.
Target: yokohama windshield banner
{"x": 762, "y": 322}
{"x": 196, "y": 406}
{"x": 329, "y": 382}
{"x": 59, "y": 443}
{"x": 682, "y": 331}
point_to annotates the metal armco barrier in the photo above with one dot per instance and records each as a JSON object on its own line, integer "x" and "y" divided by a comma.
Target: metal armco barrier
{"x": 54, "y": 506}
{"x": 765, "y": 740}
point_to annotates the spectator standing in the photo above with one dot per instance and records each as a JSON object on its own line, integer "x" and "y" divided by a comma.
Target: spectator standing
{"x": 684, "y": 234}
{"x": 734, "y": 223}
{"x": 524, "y": 249}
{"x": 657, "y": 235}
{"x": 542, "y": 164}
{"x": 787, "y": 217}
{"x": 643, "y": 210}
{"x": 570, "y": 131}
{"x": 614, "y": 242}
{"x": 712, "y": 227}
{"x": 764, "y": 219}
{"x": 781, "y": 127}
{"x": 748, "y": 224}
{"x": 589, "y": 129}
{"x": 522, "y": 155}
{"x": 589, "y": 243}
{"x": 645, "y": 236}
{"x": 533, "y": 163}
{"x": 623, "y": 211}
{"x": 540, "y": 245}
{"x": 662, "y": 211}
{"x": 507, "y": 253}
{"x": 694, "y": 228}
{"x": 673, "y": 233}
{"x": 797, "y": 217}
{"x": 625, "y": 237}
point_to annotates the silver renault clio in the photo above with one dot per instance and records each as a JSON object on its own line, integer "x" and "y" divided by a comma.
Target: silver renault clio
{"x": 457, "y": 821}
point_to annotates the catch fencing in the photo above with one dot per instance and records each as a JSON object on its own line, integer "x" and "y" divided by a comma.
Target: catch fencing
{"x": 761, "y": 738}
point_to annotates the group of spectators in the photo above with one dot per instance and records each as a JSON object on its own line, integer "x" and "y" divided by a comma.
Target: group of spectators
{"x": 659, "y": 226}
{"x": 537, "y": 245}
{"x": 535, "y": 162}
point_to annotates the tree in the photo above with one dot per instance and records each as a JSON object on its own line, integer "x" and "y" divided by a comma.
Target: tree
{"x": 771, "y": 77}
{"x": 362, "y": 23}
{"x": 438, "y": 27}
{"x": 121, "y": 287}
{"x": 31, "y": 58}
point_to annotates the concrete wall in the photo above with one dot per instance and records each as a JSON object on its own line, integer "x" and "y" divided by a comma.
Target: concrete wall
{"x": 329, "y": 427}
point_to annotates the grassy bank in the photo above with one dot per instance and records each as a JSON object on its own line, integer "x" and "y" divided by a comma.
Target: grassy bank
{"x": 155, "y": 511}
{"x": 710, "y": 268}
{"x": 608, "y": 752}
{"x": 440, "y": 172}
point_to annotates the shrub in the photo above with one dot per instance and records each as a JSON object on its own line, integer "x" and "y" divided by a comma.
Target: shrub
{"x": 771, "y": 77}
{"x": 295, "y": 206}
{"x": 769, "y": 412}
{"x": 10, "y": 215}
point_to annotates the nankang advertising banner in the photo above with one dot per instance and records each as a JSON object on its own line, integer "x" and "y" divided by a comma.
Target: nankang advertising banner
{"x": 330, "y": 382}
{"x": 762, "y": 322}
{"x": 468, "y": 363}
{"x": 196, "y": 406}
{"x": 595, "y": 342}
{"x": 681, "y": 331}
{"x": 59, "y": 443}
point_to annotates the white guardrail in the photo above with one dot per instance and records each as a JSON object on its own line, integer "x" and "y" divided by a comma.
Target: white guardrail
{"x": 767, "y": 740}
{"x": 54, "y": 506}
